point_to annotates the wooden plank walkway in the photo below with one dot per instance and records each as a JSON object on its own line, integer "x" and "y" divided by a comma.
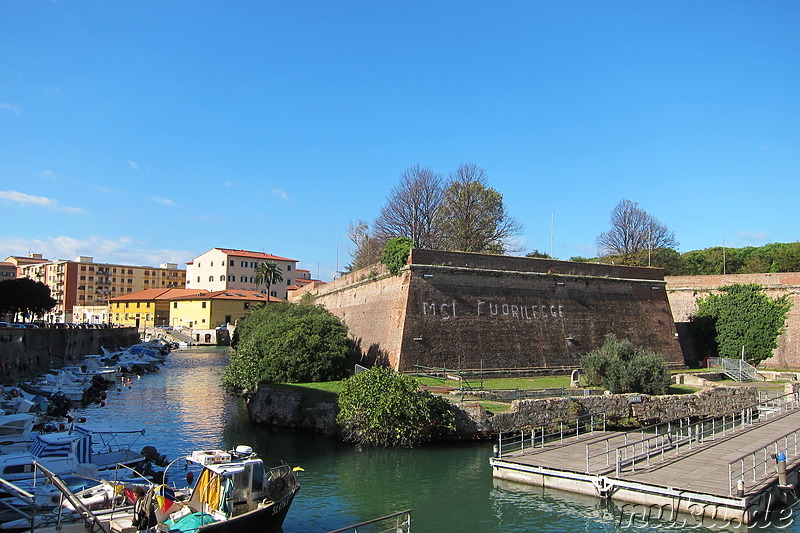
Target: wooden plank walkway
{"x": 703, "y": 469}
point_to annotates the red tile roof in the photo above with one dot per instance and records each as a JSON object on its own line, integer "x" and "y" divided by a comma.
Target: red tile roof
{"x": 229, "y": 294}
{"x": 255, "y": 255}
{"x": 157, "y": 294}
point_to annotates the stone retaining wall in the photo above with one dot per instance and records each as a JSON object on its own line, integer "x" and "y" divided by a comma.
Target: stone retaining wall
{"x": 286, "y": 409}
{"x": 26, "y": 352}
{"x": 639, "y": 408}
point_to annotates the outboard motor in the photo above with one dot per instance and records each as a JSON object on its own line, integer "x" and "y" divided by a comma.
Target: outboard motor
{"x": 151, "y": 455}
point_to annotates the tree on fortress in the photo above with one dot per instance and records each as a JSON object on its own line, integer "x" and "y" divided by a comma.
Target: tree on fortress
{"x": 267, "y": 273}
{"x": 412, "y": 207}
{"x": 25, "y": 297}
{"x": 742, "y": 315}
{"x": 367, "y": 249}
{"x": 285, "y": 342}
{"x": 620, "y": 367}
{"x": 395, "y": 254}
{"x": 384, "y": 408}
{"x": 633, "y": 231}
{"x": 473, "y": 217}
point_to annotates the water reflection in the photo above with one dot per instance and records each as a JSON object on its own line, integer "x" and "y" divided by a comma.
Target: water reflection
{"x": 449, "y": 488}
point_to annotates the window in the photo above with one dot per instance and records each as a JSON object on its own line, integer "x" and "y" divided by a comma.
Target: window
{"x": 138, "y": 305}
{"x": 130, "y": 281}
{"x": 148, "y": 305}
{"x": 231, "y": 262}
{"x": 231, "y": 278}
{"x": 130, "y": 271}
{"x": 127, "y": 304}
{"x": 210, "y": 278}
{"x": 83, "y": 269}
{"x": 204, "y": 304}
{"x": 243, "y": 279}
{"x": 91, "y": 269}
{"x": 288, "y": 268}
{"x": 83, "y": 278}
{"x": 222, "y": 277}
{"x": 174, "y": 305}
{"x": 244, "y": 264}
{"x": 252, "y": 264}
{"x": 198, "y": 279}
{"x": 91, "y": 278}
{"x": 252, "y": 279}
{"x": 247, "y": 305}
{"x": 273, "y": 293}
{"x": 203, "y": 321}
{"x": 289, "y": 281}
{"x": 212, "y": 263}
{"x": 198, "y": 264}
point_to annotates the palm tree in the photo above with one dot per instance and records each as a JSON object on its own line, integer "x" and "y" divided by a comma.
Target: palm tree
{"x": 267, "y": 273}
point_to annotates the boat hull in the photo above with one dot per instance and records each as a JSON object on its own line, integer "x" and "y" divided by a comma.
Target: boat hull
{"x": 265, "y": 520}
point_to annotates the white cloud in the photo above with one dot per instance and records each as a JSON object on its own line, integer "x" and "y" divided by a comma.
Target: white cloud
{"x": 160, "y": 200}
{"x": 753, "y": 236}
{"x": 13, "y": 108}
{"x": 48, "y": 174}
{"x": 281, "y": 194}
{"x": 28, "y": 199}
{"x": 134, "y": 165}
{"x": 22, "y": 198}
{"x": 123, "y": 250}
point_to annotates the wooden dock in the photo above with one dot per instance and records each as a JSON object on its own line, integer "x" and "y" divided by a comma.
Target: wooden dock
{"x": 703, "y": 467}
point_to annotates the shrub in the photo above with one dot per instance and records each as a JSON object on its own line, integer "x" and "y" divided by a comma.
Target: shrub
{"x": 385, "y": 408}
{"x": 287, "y": 343}
{"x": 395, "y": 254}
{"x": 619, "y": 366}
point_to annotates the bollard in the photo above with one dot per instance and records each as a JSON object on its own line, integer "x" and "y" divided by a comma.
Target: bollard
{"x": 740, "y": 488}
{"x": 496, "y": 451}
{"x": 781, "y": 458}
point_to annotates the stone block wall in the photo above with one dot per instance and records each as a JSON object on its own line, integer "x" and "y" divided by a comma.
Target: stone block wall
{"x": 469, "y": 311}
{"x": 372, "y": 303}
{"x": 616, "y": 407}
{"x": 27, "y": 352}
{"x": 684, "y": 291}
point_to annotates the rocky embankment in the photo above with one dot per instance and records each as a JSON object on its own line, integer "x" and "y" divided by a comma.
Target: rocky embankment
{"x": 291, "y": 409}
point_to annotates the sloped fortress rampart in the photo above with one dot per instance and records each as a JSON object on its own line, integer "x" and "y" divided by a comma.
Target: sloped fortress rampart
{"x": 469, "y": 311}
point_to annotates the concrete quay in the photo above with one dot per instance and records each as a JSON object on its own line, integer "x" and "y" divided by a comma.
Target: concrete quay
{"x": 722, "y": 468}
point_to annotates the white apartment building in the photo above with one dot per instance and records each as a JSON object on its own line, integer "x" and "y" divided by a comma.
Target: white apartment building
{"x": 225, "y": 269}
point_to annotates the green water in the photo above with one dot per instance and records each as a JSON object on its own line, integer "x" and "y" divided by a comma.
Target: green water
{"x": 448, "y": 488}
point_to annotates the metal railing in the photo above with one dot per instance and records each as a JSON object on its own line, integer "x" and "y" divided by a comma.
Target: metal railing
{"x": 399, "y": 522}
{"x": 530, "y": 437}
{"x": 736, "y": 368}
{"x": 754, "y": 466}
{"x": 506, "y": 395}
{"x": 682, "y": 436}
{"x": 653, "y": 442}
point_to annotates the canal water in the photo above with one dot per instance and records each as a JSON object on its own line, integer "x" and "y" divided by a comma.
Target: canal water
{"x": 449, "y": 488}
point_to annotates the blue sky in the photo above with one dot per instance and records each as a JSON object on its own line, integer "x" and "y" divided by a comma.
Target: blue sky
{"x": 149, "y": 131}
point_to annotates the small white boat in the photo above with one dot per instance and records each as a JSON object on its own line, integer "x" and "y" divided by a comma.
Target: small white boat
{"x": 16, "y": 432}
{"x": 89, "y": 450}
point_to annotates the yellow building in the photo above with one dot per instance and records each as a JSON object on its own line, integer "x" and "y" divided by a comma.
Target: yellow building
{"x": 147, "y": 308}
{"x": 206, "y": 311}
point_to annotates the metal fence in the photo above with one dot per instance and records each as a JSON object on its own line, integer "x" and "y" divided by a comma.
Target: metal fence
{"x": 756, "y": 466}
{"x": 653, "y": 443}
{"x": 529, "y": 437}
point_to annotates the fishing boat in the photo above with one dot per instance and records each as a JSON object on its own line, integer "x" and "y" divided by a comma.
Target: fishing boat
{"x": 233, "y": 492}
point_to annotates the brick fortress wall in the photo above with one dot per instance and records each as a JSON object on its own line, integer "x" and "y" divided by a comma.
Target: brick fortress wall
{"x": 683, "y": 292}
{"x": 461, "y": 310}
